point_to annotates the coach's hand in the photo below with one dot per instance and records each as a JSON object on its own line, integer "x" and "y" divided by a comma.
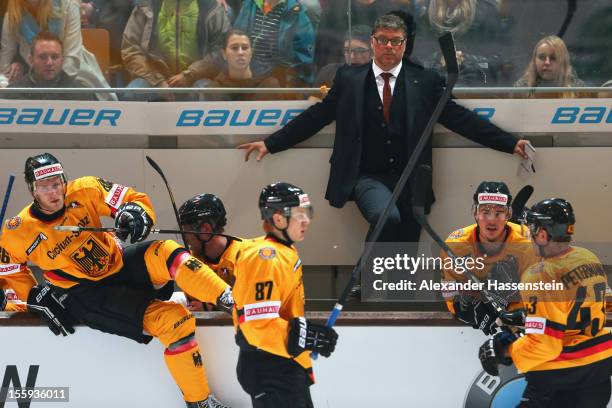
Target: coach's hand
{"x": 44, "y": 303}
{"x": 519, "y": 148}
{"x": 259, "y": 147}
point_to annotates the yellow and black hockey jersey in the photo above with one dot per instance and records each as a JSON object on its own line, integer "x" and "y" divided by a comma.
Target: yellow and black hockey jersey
{"x": 67, "y": 257}
{"x": 269, "y": 292}
{"x": 226, "y": 265}
{"x": 564, "y": 328}
{"x": 464, "y": 243}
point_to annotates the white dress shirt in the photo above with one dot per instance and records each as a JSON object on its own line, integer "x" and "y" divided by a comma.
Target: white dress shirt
{"x": 380, "y": 82}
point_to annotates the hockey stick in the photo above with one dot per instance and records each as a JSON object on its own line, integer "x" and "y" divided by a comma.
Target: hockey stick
{"x": 7, "y": 195}
{"x": 420, "y": 186}
{"x": 178, "y": 219}
{"x": 76, "y": 228}
{"x": 571, "y": 9}
{"x": 447, "y": 46}
{"x": 518, "y": 204}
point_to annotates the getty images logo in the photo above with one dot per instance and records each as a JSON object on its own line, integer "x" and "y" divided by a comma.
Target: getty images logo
{"x": 11, "y": 379}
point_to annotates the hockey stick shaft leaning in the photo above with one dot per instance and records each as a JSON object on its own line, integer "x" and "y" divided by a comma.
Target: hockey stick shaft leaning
{"x": 447, "y": 47}
{"x": 76, "y": 228}
{"x": 176, "y": 214}
{"x": 7, "y": 195}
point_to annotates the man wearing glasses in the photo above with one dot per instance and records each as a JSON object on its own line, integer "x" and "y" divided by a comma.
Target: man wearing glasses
{"x": 381, "y": 109}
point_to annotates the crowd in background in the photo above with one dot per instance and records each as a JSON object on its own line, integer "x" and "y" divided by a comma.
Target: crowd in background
{"x": 301, "y": 43}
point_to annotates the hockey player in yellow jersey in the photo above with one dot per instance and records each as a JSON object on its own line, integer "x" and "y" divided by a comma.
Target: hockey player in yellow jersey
{"x": 504, "y": 248}
{"x": 97, "y": 282}
{"x": 206, "y": 213}
{"x": 275, "y": 340}
{"x": 566, "y": 352}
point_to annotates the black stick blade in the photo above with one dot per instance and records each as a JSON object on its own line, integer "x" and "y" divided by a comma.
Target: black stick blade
{"x": 156, "y": 167}
{"x": 447, "y": 46}
{"x": 518, "y": 204}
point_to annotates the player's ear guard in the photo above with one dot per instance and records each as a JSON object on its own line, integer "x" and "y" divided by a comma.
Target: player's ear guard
{"x": 306, "y": 335}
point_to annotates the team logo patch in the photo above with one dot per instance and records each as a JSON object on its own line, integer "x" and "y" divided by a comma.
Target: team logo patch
{"x": 456, "y": 234}
{"x": 194, "y": 264}
{"x": 197, "y": 359}
{"x": 48, "y": 171}
{"x": 41, "y": 237}
{"x": 91, "y": 257}
{"x": 267, "y": 253}
{"x": 13, "y": 223}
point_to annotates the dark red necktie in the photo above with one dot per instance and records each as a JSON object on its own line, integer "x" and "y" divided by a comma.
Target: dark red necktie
{"x": 387, "y": 96}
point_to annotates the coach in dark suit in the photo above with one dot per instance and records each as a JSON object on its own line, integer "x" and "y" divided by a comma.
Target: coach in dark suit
{"x": 381, "y": 110}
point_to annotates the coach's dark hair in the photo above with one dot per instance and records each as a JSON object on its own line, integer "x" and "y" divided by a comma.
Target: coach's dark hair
{"x": 360, "y": 32}
{"x": 45, "y": 36}
{"x": 389, "y": 22}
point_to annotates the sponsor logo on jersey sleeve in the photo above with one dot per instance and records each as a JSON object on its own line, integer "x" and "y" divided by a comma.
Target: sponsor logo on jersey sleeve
{"x": 9, "y": 269}
{"x": 115, "y": 196}
{"x": 535, "y": 325}
{"x": 13, "y": 223}
{"x": 262, "y": 310}
{"x": 267, "y": 253}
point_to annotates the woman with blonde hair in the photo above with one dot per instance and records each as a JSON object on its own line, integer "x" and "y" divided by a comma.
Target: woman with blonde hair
{"x": 550, "y": 66}
{"x": 24, "y": 19}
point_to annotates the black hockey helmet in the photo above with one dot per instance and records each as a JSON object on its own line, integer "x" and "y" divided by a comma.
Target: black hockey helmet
{"x": 279, "y": 198}
{"x": 493, "y": 192}
{"x": 42, "y": 166}
{"x": 556, "y": 216}
{"x": 203, "y": 208}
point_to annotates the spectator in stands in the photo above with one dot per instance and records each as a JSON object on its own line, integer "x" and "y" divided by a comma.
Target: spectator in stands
{"x": 111, "y": 15}
{"x": 159, "y": 51}
{"x": 334, "y": 23}
{"x": 550, "y": 66}
{"x": 26, "y": 18}
{"x": 356, "y": 51}
{"x": 45, "y": 62}
{"x": 282, "y": 35}
{"x": 238, "y": 53}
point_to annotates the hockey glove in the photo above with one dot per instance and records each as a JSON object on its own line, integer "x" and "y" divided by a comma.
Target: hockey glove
{"x": 477, "y": 313}
{"x": 306, "y": 335}
{"x": 515, "y": 318}
{"x": 502, "y": 273}
{"x": 131, "y": 219}
{"x": 225, "y": 302}
{"x": 2, "y": 300}
{"x": 44, "y": 303}
{"x": 492, "y": 352}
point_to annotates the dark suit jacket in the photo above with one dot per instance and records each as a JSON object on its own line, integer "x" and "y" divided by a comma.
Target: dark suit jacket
{"x": 345, "y": 105}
